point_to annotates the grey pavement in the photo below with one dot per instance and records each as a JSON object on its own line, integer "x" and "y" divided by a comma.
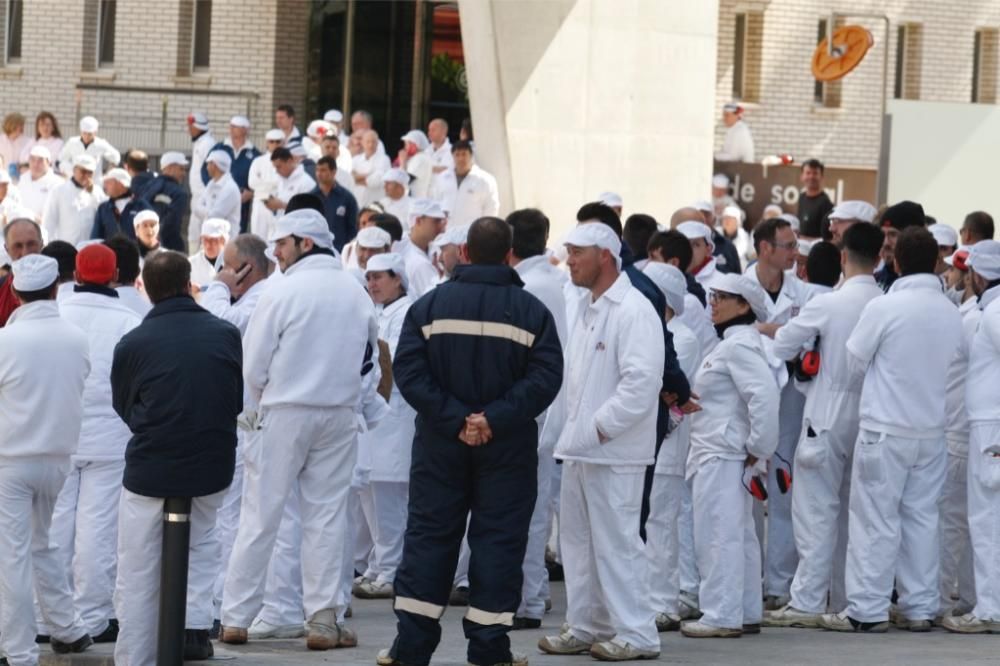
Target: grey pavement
{"x": 376, "y": 627}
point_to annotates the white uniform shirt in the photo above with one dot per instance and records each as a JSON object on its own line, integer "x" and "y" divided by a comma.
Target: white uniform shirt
{"x": 263, "y": 180}
{"x": 419, "y": 166}
{"x": 394, "y": 436}
{"x": 738, "y": 144}
{"x": 674, "y": 451}
{"x": 216, "y": 299}
{"x": 793, "y": 296}
{"x": 440, "y": 157}
{"x": 374, "y": 169}
{"x": 35, "y": 193}
{"x": 419, "y": 270}
{"x": 904, "y": 343}
{"x": 698, "y": 320}
{"x": 298, "y": 182}
{"x": 99, "y": 149}
{"x": 835, "y": 392}
{"x": 956, "y": 430}
{"x": 202, "y": 270}
{"x": 134, "y": 299}
{"x": 475, "y": 197}
{"x": 984, "y": 363}
{"x": 613, "y": 372}
{"x": 707, "y": 276}
{"x": 70, "y": 211}
{"x": 399, "y": 207}
{"x": 220, "y": 198}
{"x": 200, "y": 148}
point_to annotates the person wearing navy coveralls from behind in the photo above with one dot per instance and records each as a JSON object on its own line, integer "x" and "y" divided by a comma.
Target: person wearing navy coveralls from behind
{"x": 479, "y": 359}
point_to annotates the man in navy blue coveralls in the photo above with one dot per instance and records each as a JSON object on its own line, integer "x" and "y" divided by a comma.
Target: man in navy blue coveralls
{"x": 479, "y": 359}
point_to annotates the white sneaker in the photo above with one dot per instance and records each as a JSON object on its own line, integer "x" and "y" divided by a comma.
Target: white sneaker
{"x": 970, "y": 624}
{"x": 261, "y": 629}
{"x": 615, "y": 651}
{"x": 564, "y": 643}
{"x": 774, "y": 602}
{"x": 358, "y": 582}
{"x": 790, "y": 617}
{"x": 371, "y": 589}
{"x": 693, "y": 629}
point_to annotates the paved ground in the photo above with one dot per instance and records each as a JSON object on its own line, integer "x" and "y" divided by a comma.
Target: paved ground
{"x": 376, "y": 627}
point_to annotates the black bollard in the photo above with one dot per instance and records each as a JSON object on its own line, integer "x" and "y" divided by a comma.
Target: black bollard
{"x": 173, "y": 581}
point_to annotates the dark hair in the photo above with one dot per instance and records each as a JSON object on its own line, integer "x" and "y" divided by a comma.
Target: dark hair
{"x": 332, "y": 136}
{"x": 489, "y": 241}
{"x": 672, "y": 245}
{"x": 602, "y": 213}
{"x": 165, "y": 275}
{"x": 916, "y": 251}
{"x": 305, "y": 200}
{"x": 863, "y": 243}
{"x": 137, "y": 160}
{"x": 979, "y": 225}
{"x": 461, "y": 145}
{"x": 813, "y": 163}
{"x": 252, "y": 249}
{"x": 823, "y": 264}
{"x": 45, "y": 294}
{"x": 21, "y": 220}
{"x": 389, "y": 223}
{"x": 42, "y": 115}
{"x": 639, "y": 228}
{"x": 127, "y": 252}
{"x": 531, "y": 230}
{"x": 281, "y": 153}
{"x": 287, "y": 109}
{"x": 767, "y": 231}
{"x": 467, "y": 126}
{"x": 328, "y": 162}
{"x": 65, "y": 255}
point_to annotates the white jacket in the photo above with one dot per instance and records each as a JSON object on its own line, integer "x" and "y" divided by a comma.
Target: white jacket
{"x": 373, "y": 168}
{"x": 43, "y": 368}
{"x": 200, "y": 148}
{"x": 984, "y": 363}
{"x": 835, "y": 392}
{"x": 793, "y": 296}
{"x": 263, "y": 180}
{"x": 475, "y": 197}
{"x": 738, "y": 144}
{"x": 419, "y": 270}
{"x": 440, "y": 157}
{"x": 904, "y": 343}
{"x": 394, "y": 435}
{"x": 614, "y": 372}
{"x": 70, "y": 211}
{"x": 133, "y": 299}
{"x": 707, "y": 276}
{"x": 202, "y": 270}
{"x": 35, "y": 193}
{"x": 99, "y": 149}
{"x": 298, "y": 182}
{"x": 105, "y": 320}
{"x": 674, "y": 451}
{"x": 306, "y": 339}
{"x": 697, "y": 318}
{"x": 739, "y": 402}
{"x": 419, "y": 166}
{"x": 220, "y": 198}
{"x": 398, "y": 207}
{"x": 216, "y": 299}
{"x": 956, "y": 429}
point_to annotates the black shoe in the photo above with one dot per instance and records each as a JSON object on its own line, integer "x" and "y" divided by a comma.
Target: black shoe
{"x": 555, "y": 571}
{"x": 525, "y": 623}
{"x": 197, "y": 646}
{"x": 216, "y": 629}
{"x": 109, "y": 635}
{"x": 459, "y": 596}
{"x": 79, "y": 645}
{"x": 42, "y": 639}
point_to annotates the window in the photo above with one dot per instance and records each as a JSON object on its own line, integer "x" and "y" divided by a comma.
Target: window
{"x": 909, "y": 43}
{"x": 984, "y": 66}
{"x": 106, "y": 33}
{"x": 826, "y": 94}
{"x": 739, "y": 55}
{"x": 15, "y": 17}
{"x": 748, "y": 45}
{"x": 202, "y": 39}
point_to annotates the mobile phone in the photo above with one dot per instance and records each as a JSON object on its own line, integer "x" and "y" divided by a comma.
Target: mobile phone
{"x": 245, "y": 264}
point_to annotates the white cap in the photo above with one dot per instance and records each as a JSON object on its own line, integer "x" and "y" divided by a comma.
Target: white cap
{"x": 221, "y": 159}
{"x": 41, "y": 151}
{"x": 773, "y": 208}
{"x": 333, "y": 116}
{"x": 34, "y": 272}
{"x": 862, "y": 211}
{"x": 88, "y": 124}
{"x": 611, "y": 199}
{"x": 145, "y": 216}
{"x": 671, "y": 282}
{"x": 296, "y": 148}
{"x": 720, "y": 180}
{"x": 373, "y": 238}
{"x": 961, "y": 254}
{"x": 733, "y": 211}
{"x": 171, "y": 158}
{"x": 198, "y": 119}
{"x": 703, "y": 206}
{"x": 752, "y": 293}
{"x": 389, "y": 261}
{"x": 693, "y": 230}
{"x": 119, "y": 174}
{"x": 426, "y": 208}
{"x": 417, "y": 138}
{"x": 240, "y": 121}
{"x": 457, "y": 235}
{"x": 596, "y": 234}
{"x": 304, "y": 223}
{"x": 944, "y": 235}
{"x": 806, "y": 245}
{"x": 85, "y": 162}
{"x": 317, "y": 129}
{"x": 984, "y": 258}
{"x": 216, "y": 227}
{"x": 732, "y": 107}
{"x": 274, "y": 135}
{"x": 792, "y": 220}
{"x": 396, "y": 175}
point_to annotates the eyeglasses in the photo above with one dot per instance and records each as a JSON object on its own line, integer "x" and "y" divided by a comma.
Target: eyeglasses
{"x": 716, "y": 296}
{"x": 790, "y": 245}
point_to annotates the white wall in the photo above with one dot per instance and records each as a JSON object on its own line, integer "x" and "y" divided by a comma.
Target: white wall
{"x": 943, "y": 155}
{"x": 574, "y": 97}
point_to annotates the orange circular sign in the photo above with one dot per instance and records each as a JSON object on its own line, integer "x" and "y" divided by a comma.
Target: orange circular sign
{"x": 850, "y": 44}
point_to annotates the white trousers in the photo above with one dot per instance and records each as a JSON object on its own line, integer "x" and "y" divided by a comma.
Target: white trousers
{"x": 725, "y": 542}
{"x": 663, "y": 540}
{"x": 956, "y": 544}
{"x": 390, "y": 501}
{"x": 603, "y": 556}
{"x": 984, "y": 516}
{"x": 780, "y": 558}
{"x": 895, "y": 486}
{"x": 820, "y": 499}
{"x": 137, "y": 591}
{"x": 282, "y": 605}
{"x": 686, "y": 560}
{"x": 534, "y": 588}
{"x": 28, "y": 491}
{"x": 85, "y": 534}
{"x": 317, "y": 447}
{"x": 228, "y": 520}
{"x": 362, "y": 521}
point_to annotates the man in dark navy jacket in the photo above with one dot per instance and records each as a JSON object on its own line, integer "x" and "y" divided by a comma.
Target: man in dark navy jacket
{"x": 115, "y": 215}
{"x": 479, "y": 358}
{"x": 177, "y": 382}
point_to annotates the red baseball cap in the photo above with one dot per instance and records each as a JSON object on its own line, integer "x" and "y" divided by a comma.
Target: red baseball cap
{"x": 96, "y": 264}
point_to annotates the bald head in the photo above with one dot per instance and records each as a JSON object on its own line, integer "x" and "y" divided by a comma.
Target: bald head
{"x": 22, "y": 237}
{"x": 686, "y": 214}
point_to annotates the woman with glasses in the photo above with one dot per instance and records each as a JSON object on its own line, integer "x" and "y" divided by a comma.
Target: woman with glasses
{"x": 731, "y": 439}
